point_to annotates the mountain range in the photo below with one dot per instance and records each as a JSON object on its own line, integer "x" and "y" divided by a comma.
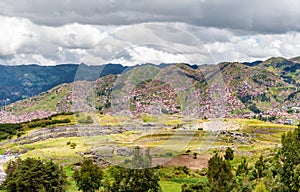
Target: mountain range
{"x": 267, "y": 88}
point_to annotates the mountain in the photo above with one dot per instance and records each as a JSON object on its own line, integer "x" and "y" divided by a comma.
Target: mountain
{"x": 22, "y": 81}
{"x": 268, "y": 88}
{"x": 287, "y": 69}
{"x": 254, "y": 63}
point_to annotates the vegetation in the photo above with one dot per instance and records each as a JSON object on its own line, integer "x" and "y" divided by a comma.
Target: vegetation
{"x": 7, "y": 131}
{"x": 88, "y": 178}
{"x": 34, "y": 175}
{"x": 138, "y": 177}
{"x": 242, "y": 173}
{"x": 279, "y": 173}
{"x": 72, "y": 145}
{"x": 229, "y": 154}
{"x": 85, "y": 119}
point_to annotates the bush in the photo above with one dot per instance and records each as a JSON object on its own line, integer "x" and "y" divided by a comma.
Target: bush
{"x": 73, "y": 145}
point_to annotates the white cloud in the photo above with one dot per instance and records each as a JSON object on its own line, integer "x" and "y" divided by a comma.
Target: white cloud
{"x": 72, "y": 35}
{"x": 14, "y": 34}
{"x": 22, "y": 42}
{"x": 256, "y": 47}
{"x": 142, "y": 54}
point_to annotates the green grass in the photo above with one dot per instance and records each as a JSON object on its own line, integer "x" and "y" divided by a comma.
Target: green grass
{"x": 43, "y": 102}
{"x": 56, "y": 149}
{"x": 169, "y": 186}
{"x": 69, "y": 172}
{"x": 150, "y": 119}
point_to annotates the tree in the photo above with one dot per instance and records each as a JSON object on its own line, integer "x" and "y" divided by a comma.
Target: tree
{"x": 135, "y": 176}
{"x": 219, "y": 174}
{"x": 288, "y": 158}
{"x": 242, "y": 178}
{"x": 229, "y": 154}
{"x": 242, "y": 168}
{"x": 88, "y": 178}
{"x": 260, "y": 167}
{"x": 33, "y": 175}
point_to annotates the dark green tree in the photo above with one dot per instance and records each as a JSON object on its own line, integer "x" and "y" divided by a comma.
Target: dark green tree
{"x": 241, "y": 176}
{"x": 288, "y": 158}
{"x": 260, "y": 167}
{"x": 88, "y": 178}
{"x": 33, "y": 175}
{"x": 219, "y": 174}
{"x": 229, "y": 154}
{"x": 135, "y": 176}
{"x": 242, "y": 168}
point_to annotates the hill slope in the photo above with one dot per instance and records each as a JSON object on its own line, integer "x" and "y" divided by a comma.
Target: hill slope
{"x": 19, "y": 82}
{"x": 268, "y": 88}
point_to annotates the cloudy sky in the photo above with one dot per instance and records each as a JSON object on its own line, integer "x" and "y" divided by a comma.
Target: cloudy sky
{"x": 129, "y": 32}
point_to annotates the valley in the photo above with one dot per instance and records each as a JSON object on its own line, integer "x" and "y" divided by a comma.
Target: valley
{"x": 180, "y": 115}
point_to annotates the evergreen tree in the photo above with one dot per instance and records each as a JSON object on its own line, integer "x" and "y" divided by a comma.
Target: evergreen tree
{"x": 260, "y": 167}
{"x": 289, "y": 161}
{"x": 33, "y": 175}
{"x": 139, "y": 178}
{"x": 219, "y": 174}
{"x": 241, "y": 177}
{"x": 229, "y": 154}
{"x": 88, "y": 178}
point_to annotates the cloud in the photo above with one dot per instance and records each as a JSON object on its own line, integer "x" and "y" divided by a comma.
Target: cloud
{"x": 142, "y": 54}
{"x": 268, "y": 16}
{"x": 14, "y": 34}
{"x": 20, "y": 38}
{"x": 23, "y": 41}
{"x": 256, "y": 47}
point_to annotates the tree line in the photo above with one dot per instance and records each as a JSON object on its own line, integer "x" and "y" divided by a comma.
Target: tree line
{"x": 35, "y": 175}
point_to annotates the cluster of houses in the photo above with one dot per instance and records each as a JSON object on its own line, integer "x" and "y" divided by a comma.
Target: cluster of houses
{"x": 9, "y": 117}
{"x": 160, "y": 98}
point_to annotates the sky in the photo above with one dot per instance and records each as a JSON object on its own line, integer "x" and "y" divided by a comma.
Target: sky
{"x": 129, "y": 32}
